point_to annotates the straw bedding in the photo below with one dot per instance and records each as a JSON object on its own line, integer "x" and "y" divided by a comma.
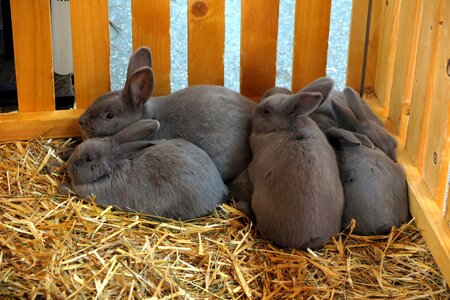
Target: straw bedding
{"x": 59, "y": 246}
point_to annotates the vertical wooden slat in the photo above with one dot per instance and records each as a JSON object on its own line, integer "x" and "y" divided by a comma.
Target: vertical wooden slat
{"x": 405, "y": 62}
{"x": 90, "y": 43}
{"x": 419, "y": 103}
{"x": 434, "y": 157}
{"x": 372, "y": 53}
{"x": 32, "y": 36}
{"x": 151, "y": 28}
{"x": 386, "y": 51}
{"x": 206, "y": 41}
{"x": 259, "y": 29}
{"x": 312, "y": 25}
{"x": 356, "y": 43}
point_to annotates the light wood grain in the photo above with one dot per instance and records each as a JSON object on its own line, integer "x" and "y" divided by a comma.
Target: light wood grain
{"x": 90, "y": 43}
{"x": 29, "y": 125}
{"x": 434, "y": 156}
{"x": 386, "y": 51}
{"x": 259, "y": 29}
{"x": 405, "y": 62}
{"x": 356, "y": 43}
{"x": 151, "y": 28}
{"x": 372, "y": 53}
{"x": 33, "y": 55}
{"x": 312, "y": 25}
{"x": 420, "y": 101}
{"x": 206, "y": 41}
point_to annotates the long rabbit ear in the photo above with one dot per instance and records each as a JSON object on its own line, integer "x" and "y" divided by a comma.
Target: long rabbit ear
{"x": 139, "y": 87}
{"x": 342, "y": 137}
{"x": 132, "y": 149}
{"x": 344, "y": 116}
{"x": 322, "y": 85}
{"x": 364, "y": 140}
{"x": 138, "y": 131}
{"x": 302, "y": 104}
{"x": 141, "y": 58}
{"x": 354, "y": 102}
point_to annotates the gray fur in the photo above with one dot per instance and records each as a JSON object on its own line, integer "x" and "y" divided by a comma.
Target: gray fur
{"x": 214, "y": 118}
{"x": 276, "y": 90}
{"x": 297, "y": 195}
{"x": 374, "y": 185}
{"x": 172, "y": 179}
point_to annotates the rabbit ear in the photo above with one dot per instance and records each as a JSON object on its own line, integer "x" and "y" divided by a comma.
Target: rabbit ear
{"x": 342, "y": 137}
{"x": 344, "y": 116}
{"x": 364, "y": 140}
{"x": 354, "y": 102}
{"x": 141, "y": 58}
{"x": 322, "y": 85}
{"x": 139, "y": 87}
{"x": 141, "y": 130}
{"x": 302, "y": 104}
{"x": 132, "y": 149}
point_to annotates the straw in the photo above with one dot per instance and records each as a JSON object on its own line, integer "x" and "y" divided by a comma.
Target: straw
{"x": 60, "y": 246}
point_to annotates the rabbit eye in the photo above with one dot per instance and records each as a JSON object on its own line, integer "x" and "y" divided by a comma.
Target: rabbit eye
{"x": 109, "y": 115}
{"x": 266, "y": 110}
{"x": 88, "y": 158}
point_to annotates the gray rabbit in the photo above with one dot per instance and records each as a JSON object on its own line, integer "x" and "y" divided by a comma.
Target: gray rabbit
{"x": 214, "y": 118}
{"x": 297, "y": 194}
{"x": 374, "y": 185}
{"x": 361, "y": 119}
{"x": 172, "y": 179}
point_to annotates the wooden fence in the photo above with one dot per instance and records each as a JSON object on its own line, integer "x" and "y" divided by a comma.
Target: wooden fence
{"x": 406, "y": 73}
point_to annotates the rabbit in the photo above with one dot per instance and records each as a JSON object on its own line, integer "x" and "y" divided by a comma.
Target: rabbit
{"x": 356, "y": 116}
{"x": 166, "y": 178}
{"x": 374, "y": 186}
{"x": 297, "y": 194}
{"x": 213, "y": 118}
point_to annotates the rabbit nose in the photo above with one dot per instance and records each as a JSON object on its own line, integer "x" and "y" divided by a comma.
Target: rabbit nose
{"x": 82, "y": 121}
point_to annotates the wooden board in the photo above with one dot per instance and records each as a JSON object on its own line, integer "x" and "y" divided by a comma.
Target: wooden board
{"x": 29, "y": 125}
{"x": 33, "y": 54}
{"x": 356, "y": 43}
{"x": 206, "y": 41}
{"x": 90, "y": 43}
{"x": 151, "y": 27}
{"x": 405, "y": 62}
{"x": 386, "y": 51}
{"x": 372, "y": 53}
{"x": 421, "y": 75}
{"x": 259, "y": 30}
{"x": 435, "y": 157}
{"x": 312, "y": 25}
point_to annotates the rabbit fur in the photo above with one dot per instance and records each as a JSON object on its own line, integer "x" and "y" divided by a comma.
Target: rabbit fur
{"x": 297, "y": 194}
{"x": 172, "y": 179}
{"x": 374, "y": 186}
{"x": 214, "y": 118}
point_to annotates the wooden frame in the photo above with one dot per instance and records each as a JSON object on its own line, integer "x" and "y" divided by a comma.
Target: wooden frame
{"x": 407, "y": 75}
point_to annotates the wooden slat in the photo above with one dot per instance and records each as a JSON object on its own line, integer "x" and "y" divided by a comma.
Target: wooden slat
{"x": 33, "y": 54}
{"x": 312, "y": 25}
{"x": 29, "y": 125}
{"x": 151, "y": 28}
{"x": 386, "y": 51}
{"x": 419, "y": 103}
{"x": 90, "y": 42}
{"x": 372, "y": 53}
{"x": 405, "y": 62}
{"x": 411, "y": 67}
{"x": 206, "y": 41}
{"x": 434, "y": 156}
{"x": 259, "y": 28}
{"x": 356, "y": 43}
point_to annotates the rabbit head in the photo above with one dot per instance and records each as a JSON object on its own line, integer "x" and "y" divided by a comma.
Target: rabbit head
{"x": 275, "y": 90}
{"x": 354, "y": 118}
{"x": 115, "y": 110}
{"x": 96, "y": 158}
{"x": 281, "y": 112}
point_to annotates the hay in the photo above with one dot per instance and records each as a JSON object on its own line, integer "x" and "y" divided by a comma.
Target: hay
{"x": 58, "y": 246}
